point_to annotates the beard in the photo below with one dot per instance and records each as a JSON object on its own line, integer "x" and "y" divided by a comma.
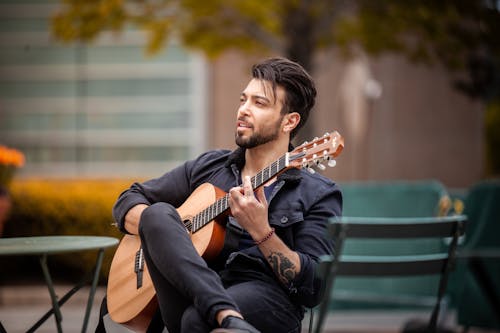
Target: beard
{"x": 267, "y": 134}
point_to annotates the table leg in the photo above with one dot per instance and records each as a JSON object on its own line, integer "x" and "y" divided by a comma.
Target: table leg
{"x": 93, "y": 288}
{"x": 61, "y": 301}
{"x": 53, "y": 296}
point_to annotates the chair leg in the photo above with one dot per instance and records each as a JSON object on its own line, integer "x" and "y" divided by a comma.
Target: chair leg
{"x": 311, "y": 320}
{"x": 444, "y": 312}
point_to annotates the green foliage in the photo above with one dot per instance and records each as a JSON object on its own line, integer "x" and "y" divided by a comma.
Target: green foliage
{"x": 214, "y": 26}
{"x": 66, "y": 207}
{"x": 426, "y": 31}
{"x": 83, "y": 20}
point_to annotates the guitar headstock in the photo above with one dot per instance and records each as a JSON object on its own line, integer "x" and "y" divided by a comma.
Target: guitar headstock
{"x": 318, "y": 151}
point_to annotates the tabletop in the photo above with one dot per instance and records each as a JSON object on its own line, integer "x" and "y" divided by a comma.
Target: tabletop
{"x": 53, "y": 244}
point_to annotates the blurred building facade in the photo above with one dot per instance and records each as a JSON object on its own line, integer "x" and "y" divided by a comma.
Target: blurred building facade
{"x": 107, "y": 110}
{"x": 103, "y": 109}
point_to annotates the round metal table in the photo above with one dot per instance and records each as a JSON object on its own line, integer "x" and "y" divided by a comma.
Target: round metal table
{"x": 43, "y": 246}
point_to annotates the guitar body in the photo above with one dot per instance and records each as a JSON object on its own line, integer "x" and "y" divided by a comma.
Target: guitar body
{"x": 209, "y": 240}
{"x": 125, "y": 301}
{"x": 134, "y": 307}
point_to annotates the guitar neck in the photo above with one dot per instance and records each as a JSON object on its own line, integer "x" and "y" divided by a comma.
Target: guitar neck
{"x": 222, "y": 205}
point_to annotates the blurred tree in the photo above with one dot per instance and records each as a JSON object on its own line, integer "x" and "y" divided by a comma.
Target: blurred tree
{"x": 462, "y": 35}
{"x": 459, "y": 34}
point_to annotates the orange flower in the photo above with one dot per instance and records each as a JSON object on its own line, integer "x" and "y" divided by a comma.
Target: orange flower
{"x": 11, "y": 157}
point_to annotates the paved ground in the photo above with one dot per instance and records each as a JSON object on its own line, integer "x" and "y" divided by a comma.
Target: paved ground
{"x": 21, "y": 306}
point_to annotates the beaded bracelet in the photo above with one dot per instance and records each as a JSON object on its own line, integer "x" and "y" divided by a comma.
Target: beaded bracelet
{"x": 265, "y": 238}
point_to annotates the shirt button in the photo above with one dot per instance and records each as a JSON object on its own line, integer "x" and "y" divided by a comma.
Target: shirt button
{"x": 284, "y": 219}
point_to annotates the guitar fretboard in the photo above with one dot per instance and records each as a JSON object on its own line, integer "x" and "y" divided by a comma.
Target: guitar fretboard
{"x": 221, "y": 205}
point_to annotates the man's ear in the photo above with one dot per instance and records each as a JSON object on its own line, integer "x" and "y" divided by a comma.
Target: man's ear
{"x": 290, "y": 121}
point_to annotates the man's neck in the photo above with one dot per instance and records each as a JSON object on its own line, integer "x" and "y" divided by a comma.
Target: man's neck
{"x": 262, "y": 156}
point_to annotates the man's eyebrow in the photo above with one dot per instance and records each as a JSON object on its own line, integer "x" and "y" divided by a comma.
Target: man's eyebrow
{"x": 262, "y": 97}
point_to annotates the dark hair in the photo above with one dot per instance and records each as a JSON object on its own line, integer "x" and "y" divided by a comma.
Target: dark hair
{"x": 300, "y": 91}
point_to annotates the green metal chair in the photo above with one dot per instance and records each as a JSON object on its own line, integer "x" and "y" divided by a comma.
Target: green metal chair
{"x": 396, "y": 263}
{"x": 399, "y": 198}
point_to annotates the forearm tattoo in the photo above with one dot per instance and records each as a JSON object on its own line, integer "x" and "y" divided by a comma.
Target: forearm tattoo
{"x": 284, "y": 268}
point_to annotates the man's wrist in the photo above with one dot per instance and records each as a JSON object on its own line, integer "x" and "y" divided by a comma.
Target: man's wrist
{"x": 226, "y": 313}
{"x": 264, "y": 238}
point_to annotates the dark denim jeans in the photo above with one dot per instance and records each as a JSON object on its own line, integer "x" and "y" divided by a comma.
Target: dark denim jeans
{"x": 190, "y": 293}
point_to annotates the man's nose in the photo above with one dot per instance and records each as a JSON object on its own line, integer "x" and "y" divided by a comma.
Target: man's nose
{"x": 244, "y": 109}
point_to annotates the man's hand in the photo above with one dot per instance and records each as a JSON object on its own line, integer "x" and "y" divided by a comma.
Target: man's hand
{"x": 250, "y": 210}
{"x": 251, "y": 213}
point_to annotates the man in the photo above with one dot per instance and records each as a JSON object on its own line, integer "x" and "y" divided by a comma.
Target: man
{"x": 265, "y": 273}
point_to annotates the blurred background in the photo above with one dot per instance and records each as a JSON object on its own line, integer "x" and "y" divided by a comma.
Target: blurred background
{"x": 129, "y": 89}
{"x": 97, "y": 94}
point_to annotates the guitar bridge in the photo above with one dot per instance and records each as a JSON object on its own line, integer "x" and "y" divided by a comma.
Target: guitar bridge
{"x": 139, "y": 267}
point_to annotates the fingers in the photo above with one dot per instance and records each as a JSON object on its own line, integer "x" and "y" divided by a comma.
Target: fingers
{"x": 248, "y": 208}
{"x": 243, "y": 191}
{"x": 235, "y": 194}
{"x": 261, "y": 196}
{"x": 247, "y": 187}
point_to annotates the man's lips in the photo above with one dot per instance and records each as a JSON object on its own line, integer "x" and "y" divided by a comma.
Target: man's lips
{"x": 243, "y": 125}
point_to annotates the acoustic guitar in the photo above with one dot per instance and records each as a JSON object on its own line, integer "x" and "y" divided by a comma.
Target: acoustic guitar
{"x": 130, "y": 293}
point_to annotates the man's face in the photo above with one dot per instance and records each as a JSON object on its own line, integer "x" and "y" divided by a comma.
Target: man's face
{"x": 259, "y": 114}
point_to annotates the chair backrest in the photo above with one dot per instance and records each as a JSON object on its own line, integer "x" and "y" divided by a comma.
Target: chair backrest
{"x": 398, "y": 198}
{"x": 395, "y": 263}
{"x": 395, "y": 198}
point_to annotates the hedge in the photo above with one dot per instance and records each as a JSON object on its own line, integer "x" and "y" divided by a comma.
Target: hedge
{"x": 65, "y": 207}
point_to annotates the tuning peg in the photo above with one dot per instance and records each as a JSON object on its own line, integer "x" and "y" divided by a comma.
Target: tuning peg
{"x": 332, "y": 163}
{"x": 304, "y": 163}
{"x": 311, "y": 171}
{"x": 320, "y": 166}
